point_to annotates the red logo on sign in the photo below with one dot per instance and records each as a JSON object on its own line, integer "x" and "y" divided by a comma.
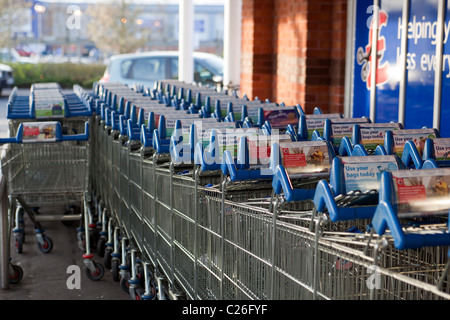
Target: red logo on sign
{"x": 364, "y": 57}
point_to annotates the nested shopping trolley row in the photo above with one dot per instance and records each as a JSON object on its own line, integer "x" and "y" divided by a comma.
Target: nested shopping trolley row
{"x": 239, "y": 209}
{"x": 188, "y": 193}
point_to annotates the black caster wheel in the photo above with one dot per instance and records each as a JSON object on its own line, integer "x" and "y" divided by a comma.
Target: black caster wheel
{"x": 16, "y": 275}
{"x": 125, "y": 285}
{"x": 101, "y": 245}
{"x": 138, "y": 293}
{"x": 47, "y": 246}
{"x": 141, "y": 276}
{"x": 107, "y": 258}
{"x": 97, "y": 274}
{"x": 115, "y": 269}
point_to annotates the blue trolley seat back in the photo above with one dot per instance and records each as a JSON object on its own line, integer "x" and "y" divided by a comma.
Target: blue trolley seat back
{"x": 414, "y": 206}
{"x": 437, "y": 149}
{"x": 368, "y": 135}
{"x": 352, "y": 192}
{"x": 254, "y": 159}
{"x": 335, "y": 129}
{"x": 301, "y": 166}
{"x": 213, "y": 143}
{"x": 183, "y": 136}
{"x": 308, "y": 123}
{"x": 186, "y": 139}
{"x": 395, "y": 140}
{"x": 279, "y": 117}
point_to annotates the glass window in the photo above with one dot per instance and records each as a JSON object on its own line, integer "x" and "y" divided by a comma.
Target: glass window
{"x": 201, "y": 74}
{"x": 125, "y": 68}
{"x": 148, "y": 69}
{"x": 174, "y": 68}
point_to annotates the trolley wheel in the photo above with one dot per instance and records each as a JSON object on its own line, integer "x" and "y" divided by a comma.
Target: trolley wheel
{"x": 115, "y": 269}
{"x": 125, "y": 285}
{"x": 47, "y": 246}
{"x": 107, "y": 258}
{"x": 97, "y": 274}
{"x": 19, "y": 243}
{"x": 101, "y": 245}
{"x": 138, "y": 292}
{"x": 141, "y": 276}
{"x": 17, "y": 274}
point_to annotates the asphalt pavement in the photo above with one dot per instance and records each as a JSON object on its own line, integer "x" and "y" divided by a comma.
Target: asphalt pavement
{"x": 61, "y": 273}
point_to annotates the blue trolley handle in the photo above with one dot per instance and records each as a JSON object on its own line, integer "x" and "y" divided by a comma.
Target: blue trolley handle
{"x": 77, "y": 137}
{"x": 59, "y": 137}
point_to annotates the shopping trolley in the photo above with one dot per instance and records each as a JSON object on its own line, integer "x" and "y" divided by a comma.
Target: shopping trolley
{"x": 45, "y": 168}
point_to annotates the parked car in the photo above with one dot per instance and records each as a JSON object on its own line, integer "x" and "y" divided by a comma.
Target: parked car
{"x": 148, "y": 67}
{"x": 14, "y": 56}
{"x": 6, "y": 77}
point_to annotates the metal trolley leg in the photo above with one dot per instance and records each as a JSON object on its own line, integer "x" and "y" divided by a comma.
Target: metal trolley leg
{"x": 150, "y": 290}
{"x": 124, "y": 268}
{"x": 94, "y": 270}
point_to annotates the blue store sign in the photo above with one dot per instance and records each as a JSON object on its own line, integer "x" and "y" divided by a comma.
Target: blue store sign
{"x": 400, "y": 61}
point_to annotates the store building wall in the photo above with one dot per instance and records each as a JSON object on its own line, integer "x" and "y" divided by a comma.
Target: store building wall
{"x": 293, "y": 51}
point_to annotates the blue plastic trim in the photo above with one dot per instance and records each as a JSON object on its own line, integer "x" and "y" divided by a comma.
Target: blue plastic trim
{"x": 161, "y": 145}
{"x": 133, "y": 130}
{"x": 317, "y": 110}
{"x": 208, "y": 159}
{"x": 359, "y": 151}
{"x": 281, "y": 182}
{"x": 411, "y": 156}
{"x": 316, "y": 136}
{"x": 380, "y": 151}
{"x": 78, "y": 137}
{"x": 146, "y": 137}
{"x": 346, "y": 147}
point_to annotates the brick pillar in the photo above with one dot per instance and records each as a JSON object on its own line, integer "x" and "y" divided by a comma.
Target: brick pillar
{"x": 337, "y": 56}
{"x": 257, "y": 52}
{"x": 306, "y": 40}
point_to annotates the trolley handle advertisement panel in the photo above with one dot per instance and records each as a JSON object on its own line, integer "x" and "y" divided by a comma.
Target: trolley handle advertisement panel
{"x": 43, "y": 132}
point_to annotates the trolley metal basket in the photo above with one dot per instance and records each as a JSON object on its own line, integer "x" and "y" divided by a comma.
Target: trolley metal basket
{"x": 44, "y": 168}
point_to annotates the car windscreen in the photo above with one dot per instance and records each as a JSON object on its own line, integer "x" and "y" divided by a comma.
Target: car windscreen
{"x": 146, "y": 69}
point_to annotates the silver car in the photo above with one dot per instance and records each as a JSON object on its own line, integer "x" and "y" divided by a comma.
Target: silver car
{"x": 6, "y": 77}
{"x": 148, "y": 67}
